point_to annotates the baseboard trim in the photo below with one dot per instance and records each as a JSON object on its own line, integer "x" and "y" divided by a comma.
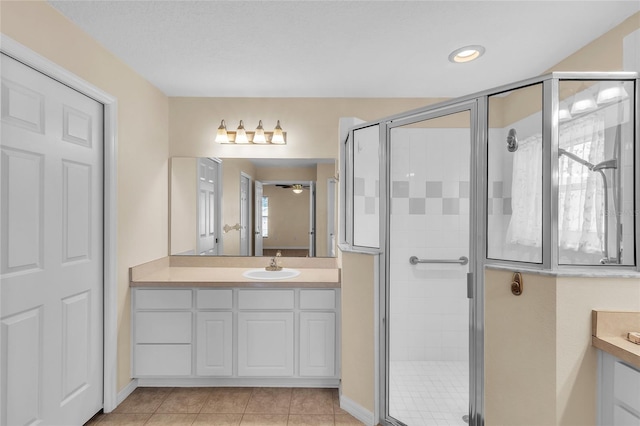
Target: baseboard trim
{"x": 357, "y": 411}
{"x": 237, "y": 382}
{"x": 126, "y": 391}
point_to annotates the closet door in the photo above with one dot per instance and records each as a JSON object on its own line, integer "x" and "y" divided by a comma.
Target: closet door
{"x": 51, "y": 260}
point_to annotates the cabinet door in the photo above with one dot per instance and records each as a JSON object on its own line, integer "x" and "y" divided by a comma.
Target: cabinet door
{"x": 317, "y": 344}
{"x": 265, "y": 344}
{"x": 214, "y": 344}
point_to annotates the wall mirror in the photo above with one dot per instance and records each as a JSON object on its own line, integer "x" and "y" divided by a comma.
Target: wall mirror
{"x": 252, "y": 207}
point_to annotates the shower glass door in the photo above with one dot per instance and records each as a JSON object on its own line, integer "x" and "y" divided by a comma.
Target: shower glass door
{"x": 428, "y": 252}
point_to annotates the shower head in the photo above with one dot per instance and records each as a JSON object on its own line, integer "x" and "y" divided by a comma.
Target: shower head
{"x": 606, "y": 164}
{"x": 512, "y": 140}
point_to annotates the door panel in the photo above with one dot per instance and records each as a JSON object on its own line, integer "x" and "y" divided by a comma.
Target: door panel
{"x": 257, "y": 220}
{"x": 428, "y": 310}
{"x": 208, "y": 217}
{"x": 51, "y": 262}
{"x": 245, "y": 215}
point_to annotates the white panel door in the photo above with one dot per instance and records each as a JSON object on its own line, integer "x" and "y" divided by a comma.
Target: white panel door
{"x": 317, "y": 344}
{"x": 214, "y": 344}
{"x": 265, "y": 344}
{"x": 331, "y": 217}
{"x": 245, "y": 215}
{"x": 257, "y": 208}
{"x": 51, "y": 271}
{"x": 208, "y": 217}
{"x": 312, "y": 219}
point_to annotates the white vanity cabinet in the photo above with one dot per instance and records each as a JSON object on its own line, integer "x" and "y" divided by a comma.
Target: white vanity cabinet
{"x": 162, "y": 342}
{"x": 266, "y": 333}
{"x": 619, "y": 392}
{"x": 317, "y": 333}
{"x": 228, "y": 336}
{"x": 214, "y": 332}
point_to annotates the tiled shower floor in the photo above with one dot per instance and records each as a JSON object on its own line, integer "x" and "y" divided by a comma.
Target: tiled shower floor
{"x": 426, "y": 393}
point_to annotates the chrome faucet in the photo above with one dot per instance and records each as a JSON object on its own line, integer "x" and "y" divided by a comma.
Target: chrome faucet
{"x": 274, "y": 264}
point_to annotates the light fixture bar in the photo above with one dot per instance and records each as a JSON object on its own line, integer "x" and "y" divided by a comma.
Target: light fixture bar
{"x": 257, "y": 137}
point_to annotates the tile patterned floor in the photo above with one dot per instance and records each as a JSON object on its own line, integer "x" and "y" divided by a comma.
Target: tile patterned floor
{"x": 429, "y": 393}
{"x": 228, "y": 407}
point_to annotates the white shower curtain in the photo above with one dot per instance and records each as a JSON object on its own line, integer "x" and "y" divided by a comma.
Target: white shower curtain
{"x": 580, "y": 198}
{"x": 525, "y": 227}
{"x": 581, "y": 191}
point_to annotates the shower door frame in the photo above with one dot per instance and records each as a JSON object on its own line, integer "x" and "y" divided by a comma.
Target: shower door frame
{"x": 477, "y": 108}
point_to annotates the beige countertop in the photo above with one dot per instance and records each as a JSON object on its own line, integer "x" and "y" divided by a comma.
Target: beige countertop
{"x": 609, "y": 330}
{"x": 170, "y": 272}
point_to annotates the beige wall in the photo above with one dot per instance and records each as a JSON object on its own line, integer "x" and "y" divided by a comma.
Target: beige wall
{"x": 540, "y": 367}
{"x": 142, "y": 141}
{"x": 183, "y": 201}
{"x": 288, "y": 218}
{"x": 358, "y": 341}
{"x": 311, "y": 123}
{"x": 602, "y": 54}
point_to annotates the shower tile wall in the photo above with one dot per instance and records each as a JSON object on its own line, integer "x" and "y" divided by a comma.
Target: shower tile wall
{"x": 429, "y": 219}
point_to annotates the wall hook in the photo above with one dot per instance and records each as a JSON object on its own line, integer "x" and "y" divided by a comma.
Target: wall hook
{"x": 517, "y": 284}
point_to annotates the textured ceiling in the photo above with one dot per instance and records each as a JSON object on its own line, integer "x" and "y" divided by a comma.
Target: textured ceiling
{"x": 340, "y": 48}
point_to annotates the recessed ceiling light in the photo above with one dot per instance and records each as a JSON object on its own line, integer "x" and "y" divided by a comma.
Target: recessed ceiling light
{"x": 466, "y": 53}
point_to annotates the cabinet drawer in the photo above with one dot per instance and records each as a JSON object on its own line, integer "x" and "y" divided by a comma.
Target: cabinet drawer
{"x": 162, "y": 360}
{"x": 163, "y": 299}
{"x": 214, "y": 299}
{"x": 626, "y": 385}
{"x": 317, "y": 299}
{"x": 163, "y": 327}
{"x": 265, "y": 299}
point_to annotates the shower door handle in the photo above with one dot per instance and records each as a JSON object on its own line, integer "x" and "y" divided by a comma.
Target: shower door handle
{"x": 462, "y": 260}
{"x": 469, "y": 285}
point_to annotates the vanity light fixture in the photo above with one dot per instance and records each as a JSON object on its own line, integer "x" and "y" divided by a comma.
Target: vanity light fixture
{"x": 297, "y": 188}
{"x": 611, "y": 91}
{"x": 583, "y": 102}
{"x": 563, "y": 112}
{"x": 466, "y": 53}
{"x": 258, "y": 137}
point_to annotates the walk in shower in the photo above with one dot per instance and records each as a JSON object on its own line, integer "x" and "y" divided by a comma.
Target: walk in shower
{"x": 429, "y": 159}
{"x": 537, "y": 174}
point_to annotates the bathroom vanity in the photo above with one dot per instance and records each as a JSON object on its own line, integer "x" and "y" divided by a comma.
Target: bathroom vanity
{"x": 202, "y": 322}
{"x": 618, "y": 367}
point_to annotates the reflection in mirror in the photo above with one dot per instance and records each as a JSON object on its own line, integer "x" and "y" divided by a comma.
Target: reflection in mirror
{"x": 291, "y": 204}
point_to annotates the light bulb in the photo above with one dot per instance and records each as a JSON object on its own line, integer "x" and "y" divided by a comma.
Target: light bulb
{"x": 222, "y": 136}
{"x": 259, "y": 137}
{"x": 241, "y": 134}
{"x": 278, "y": 136}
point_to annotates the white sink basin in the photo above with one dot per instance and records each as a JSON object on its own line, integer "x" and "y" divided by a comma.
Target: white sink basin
{"x": 263, "y": 274}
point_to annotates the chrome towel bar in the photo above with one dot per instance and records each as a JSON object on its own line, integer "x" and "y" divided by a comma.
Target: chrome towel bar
{"x": 463, "y": 260}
